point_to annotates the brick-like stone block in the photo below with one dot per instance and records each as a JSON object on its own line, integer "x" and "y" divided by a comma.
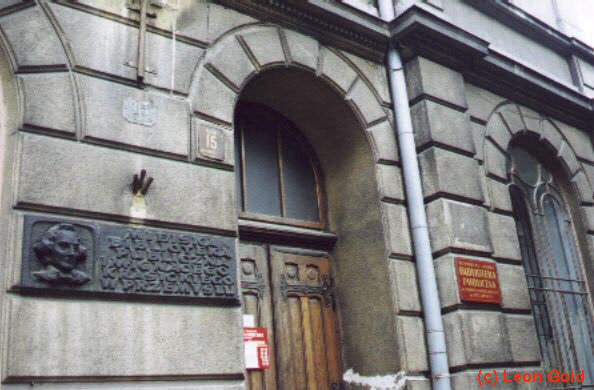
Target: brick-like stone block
{"x": 512, "y": 117}
{"x": 458, "y": 225}
{"x": 304, "y": 50}
{"x": 192, "y": 16}
{"x": 366, "y": 102}
{"x": 500, "y": 198}
{"x": 404, "y": 285}
{"x": 514, "y": 289}
{"x": 498, "y": 132}
{"x": 383, "y": 141}
{"x": 265, "y": 45}
{"x": 411, "y": 340}
{"x": 447, "y": 281}
{"x": 568, "y": 158}
{"x": 98, "y": 43}
{"x": 106, "y": 46}
{"x": 229, "y": 58}
{"x": 32, "y": 38}
{"x": 210, "y": 96}
{"x": 455, "y": 342}
{"x": 551, "y": 135}
{"x": 158, "y": 59}
{"x": 484, "y": 186}
{"x": 336, "y": 70}
{"x": 476, "y": 337}
{"x": 398, "y": 231}
{"x": 374, "y": 73}
{"x": 504, "y": 237}
{"x": 478, "y": 136}
{"x": 522, "y": 338}
{"x": 67, "y": 338}
{"x": 580, "y": 141}
{"x": 49, "y": 102}
{"x": 481, "y": 103}
{"x": 588, "y": 218}
{"x": 389, "y": 179}
{"x": 446, "y": 172}
{"x": 192, "y": 19}
{"x": 104, "y": 121}
{"x": 429, "y": 78}
{"x": 532, "y": 119}
{"x": 64, "y": 174}
{"x": 495, "y": 161}
{"x": 589, "y": 173}
{"x": 583, "y": 186}
{"x": 222, "y": 19}
{"x": 434, "y": 123}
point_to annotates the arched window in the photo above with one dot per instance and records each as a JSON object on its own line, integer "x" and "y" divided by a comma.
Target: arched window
{"x": 278, "y": 177}
{"x": 553, "y": 265}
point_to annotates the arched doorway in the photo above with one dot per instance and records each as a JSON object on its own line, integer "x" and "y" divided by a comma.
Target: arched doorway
{"x": 314, "y": 274}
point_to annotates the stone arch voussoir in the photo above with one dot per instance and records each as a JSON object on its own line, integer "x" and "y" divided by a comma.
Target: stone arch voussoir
{"x": 233, "y": 60}
{"x": 48, "y": 92}
{"x": 509, "y": 121}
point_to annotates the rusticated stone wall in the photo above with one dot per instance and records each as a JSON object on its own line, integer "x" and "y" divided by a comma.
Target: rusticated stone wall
{"x": 71, "y": 153}
{"x": 463, "y": 133}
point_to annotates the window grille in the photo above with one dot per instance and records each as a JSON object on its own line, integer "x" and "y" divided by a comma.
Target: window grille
{"x": 553, "y": 264}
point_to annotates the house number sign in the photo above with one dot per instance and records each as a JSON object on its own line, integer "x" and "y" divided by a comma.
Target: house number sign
{"x": 211, "y": 142}
{"x": 81, "y": 257}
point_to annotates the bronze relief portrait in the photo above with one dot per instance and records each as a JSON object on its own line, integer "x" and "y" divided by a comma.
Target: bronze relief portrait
{"x": 60, "y": 251}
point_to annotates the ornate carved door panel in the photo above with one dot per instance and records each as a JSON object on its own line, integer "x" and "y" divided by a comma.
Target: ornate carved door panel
{"x": 308, "y": 356}
{"x": 257, "y": 302}
{"x": 292, "y": 295}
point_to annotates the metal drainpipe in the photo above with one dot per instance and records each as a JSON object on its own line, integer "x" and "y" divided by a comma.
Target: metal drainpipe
{"x": 436, "y": 345}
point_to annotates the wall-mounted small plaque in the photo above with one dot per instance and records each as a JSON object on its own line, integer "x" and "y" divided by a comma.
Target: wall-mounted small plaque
{"x": 477, "y": 281}
{"x": 211, "y": 142}
{"x": 140, "y": 112}
{"x": 100, "y": 258}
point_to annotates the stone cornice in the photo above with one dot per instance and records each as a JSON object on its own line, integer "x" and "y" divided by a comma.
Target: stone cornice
{"x": 522, "y": 21}
{"x": 419, "y": 32}
{"x": 332, "y": 23}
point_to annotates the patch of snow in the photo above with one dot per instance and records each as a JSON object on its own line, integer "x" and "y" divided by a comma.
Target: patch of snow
{"x": 386, "y": 382}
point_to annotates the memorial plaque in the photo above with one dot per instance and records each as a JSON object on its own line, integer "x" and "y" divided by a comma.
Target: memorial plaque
{"x": 478, "y": 281}
{"x": 68, "y": 255}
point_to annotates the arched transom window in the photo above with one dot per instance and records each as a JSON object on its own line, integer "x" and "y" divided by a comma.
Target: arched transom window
{"x": 553, "y": 264}
{"x": 278, "y": 178}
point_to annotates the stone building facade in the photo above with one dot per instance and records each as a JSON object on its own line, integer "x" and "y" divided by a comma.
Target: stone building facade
{"x": 79, "y": 119}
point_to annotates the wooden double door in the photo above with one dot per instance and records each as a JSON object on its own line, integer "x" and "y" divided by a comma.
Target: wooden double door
{"x": 291, "y": 293}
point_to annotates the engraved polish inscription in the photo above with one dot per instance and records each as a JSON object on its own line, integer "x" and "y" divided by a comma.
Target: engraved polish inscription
{"x": 99, "y": 258}
{"x": 156, "y": 262}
